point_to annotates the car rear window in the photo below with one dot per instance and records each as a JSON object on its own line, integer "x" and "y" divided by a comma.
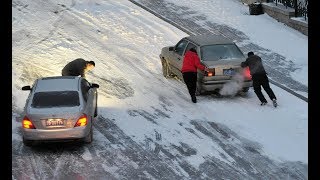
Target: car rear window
{"x": 55, "y": 99}
{"x": 220, "y": 52}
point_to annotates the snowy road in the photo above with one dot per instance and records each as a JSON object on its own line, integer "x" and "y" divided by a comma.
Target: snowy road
{"x": 147, "y": 127}
{"x": 186, "y": 18}
{"x": 114, "y": 155}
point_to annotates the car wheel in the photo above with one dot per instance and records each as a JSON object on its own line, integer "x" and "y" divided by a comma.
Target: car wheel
{"x": 28, "y": 143}
{"x": 246, "y": 89}
{"x": 96, "y": 112}
{"x": 96, "y": 109}
{"x": 89, "y": 137}
{"x": 165, "y": 69}
{"x": 198, "y": 89}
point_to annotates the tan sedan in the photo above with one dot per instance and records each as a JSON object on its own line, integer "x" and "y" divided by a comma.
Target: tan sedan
{"x": 221, "y": 56}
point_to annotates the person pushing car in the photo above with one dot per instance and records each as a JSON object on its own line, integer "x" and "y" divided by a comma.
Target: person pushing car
{"x": 259, "y": 78}
{"x": 78, "y": 67}
{"x": 191, "y": 63}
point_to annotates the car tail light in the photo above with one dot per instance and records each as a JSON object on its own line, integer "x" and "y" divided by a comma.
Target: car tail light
{"x": 209, "y": 72}
{"x": 26, "y": 123}
{"x": 82, "y": 121}
{"x": 246, "y": 73}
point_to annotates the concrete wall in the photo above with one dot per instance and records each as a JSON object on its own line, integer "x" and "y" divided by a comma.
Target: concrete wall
{"x": 299, "y": 25}
{"x": 285, "y": 15}
{"x": 281, "y": 13}
{"x": 250, "y": 1}
{"x": 253, "y": 1}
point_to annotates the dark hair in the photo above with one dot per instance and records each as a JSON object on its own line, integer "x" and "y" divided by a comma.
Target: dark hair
{"x": 193, "y": 50}
{"x": 250, "y": 53}
{"x": 91, "y": 62}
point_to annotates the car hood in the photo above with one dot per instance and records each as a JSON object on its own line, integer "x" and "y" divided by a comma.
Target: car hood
{"x": 167, "y": 47}
{"x": 223, "y": 62}
{"x": 165, "y": 50}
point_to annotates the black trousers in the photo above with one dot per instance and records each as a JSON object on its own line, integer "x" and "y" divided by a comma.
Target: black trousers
{"x": 262, "y": 80}
{"x": 190, "y": 78}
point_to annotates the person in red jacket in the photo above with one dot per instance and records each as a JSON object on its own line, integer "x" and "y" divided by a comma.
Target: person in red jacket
{"x": 191, "y": 63}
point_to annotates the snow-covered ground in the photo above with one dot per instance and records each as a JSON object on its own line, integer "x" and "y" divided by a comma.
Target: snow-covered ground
{"x": 262, "y": 30}
{"x": 125, "y": 41}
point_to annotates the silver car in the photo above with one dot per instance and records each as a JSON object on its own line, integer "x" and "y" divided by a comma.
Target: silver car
{"x": 221, "y": 56}
{"x": 58, "y": 109}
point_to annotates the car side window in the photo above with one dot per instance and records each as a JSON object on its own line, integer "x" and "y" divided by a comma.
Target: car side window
{"x": 85, "y": 86}
{"x": 190, "y": 45}
{"x": 181, "y": 46}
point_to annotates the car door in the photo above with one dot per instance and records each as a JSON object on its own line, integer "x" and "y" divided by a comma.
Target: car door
{"x": 87, "y": 95}
{"x": 176, "y": 57}
{"x": 189, "y": 46}
{"x": 31, "y": 93}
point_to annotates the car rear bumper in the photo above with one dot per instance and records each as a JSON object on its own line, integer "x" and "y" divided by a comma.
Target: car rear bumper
{"x": 216, "y": 85}
{"x": 56, "y": 134}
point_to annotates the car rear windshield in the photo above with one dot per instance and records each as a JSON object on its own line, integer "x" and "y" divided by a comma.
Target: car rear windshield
{"x": 55, "y": 99}
{"x": 220, "y": 52}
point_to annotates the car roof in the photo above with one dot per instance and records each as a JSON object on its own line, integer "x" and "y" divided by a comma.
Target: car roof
{"x": 57, "y": 83}
{"x": 208, "y": 39}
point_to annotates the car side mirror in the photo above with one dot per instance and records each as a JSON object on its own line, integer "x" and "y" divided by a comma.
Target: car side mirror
{"x": 26, "y": 88}
{"x": 94, "y": 85}
{"x": 171, "y": 48}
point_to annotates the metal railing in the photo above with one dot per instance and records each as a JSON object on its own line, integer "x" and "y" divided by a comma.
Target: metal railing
{"x": 300, "y": 6}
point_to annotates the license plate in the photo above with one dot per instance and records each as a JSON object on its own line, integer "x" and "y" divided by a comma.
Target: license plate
{"x": 54, "y": 122}
{"x": 228, "y": 72}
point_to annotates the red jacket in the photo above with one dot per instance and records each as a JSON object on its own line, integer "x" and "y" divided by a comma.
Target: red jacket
{"x": 191, "y": 62}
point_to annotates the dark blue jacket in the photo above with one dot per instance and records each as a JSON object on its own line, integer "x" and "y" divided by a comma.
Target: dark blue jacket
{"x": 255, "y": 65}
{"x": 75, "y": 68}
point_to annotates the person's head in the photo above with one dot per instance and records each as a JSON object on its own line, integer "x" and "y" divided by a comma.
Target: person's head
{"x": 193, "y": 50}
{"x": 90, "y": 65}
{"x": 250, "y": 53}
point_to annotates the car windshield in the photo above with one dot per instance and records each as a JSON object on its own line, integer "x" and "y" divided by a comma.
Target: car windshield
{"x": 220, "y": 52}
{"x": 55, "y": 99}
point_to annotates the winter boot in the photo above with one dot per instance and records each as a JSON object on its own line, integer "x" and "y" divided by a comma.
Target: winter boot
{"x": 274, "y": 101}
{"x": 194, "y": 99}
{"x": 263, "y": 103}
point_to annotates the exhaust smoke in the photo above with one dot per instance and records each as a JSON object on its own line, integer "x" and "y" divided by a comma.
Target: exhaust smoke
{"x": 233, "y": 87}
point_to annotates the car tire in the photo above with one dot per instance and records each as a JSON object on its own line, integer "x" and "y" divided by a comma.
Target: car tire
{"x": 96, "y": 109}
{"x": 246, "y": 89}
{"x": 28, "y": 143}
{"x": 96, "y": 112}
{"x": 165, "y": 69}
{"x": 198, "y": 89}
{"x": 89, "y": 137}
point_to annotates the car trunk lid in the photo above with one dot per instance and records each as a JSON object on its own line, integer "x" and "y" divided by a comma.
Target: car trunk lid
{"x": 223, "y": 69}
{"x": 53, "y": 118}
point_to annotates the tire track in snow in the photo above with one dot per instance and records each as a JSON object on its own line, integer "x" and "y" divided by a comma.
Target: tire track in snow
{"x": 135, "y": 156}
{"x": 248, "y": 159}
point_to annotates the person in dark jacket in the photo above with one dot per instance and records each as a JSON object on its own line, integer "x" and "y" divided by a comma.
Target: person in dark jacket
{"x": 259, "y": 78}
{"x": 78, "y": 67}
{"x": 191, "y": 63}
